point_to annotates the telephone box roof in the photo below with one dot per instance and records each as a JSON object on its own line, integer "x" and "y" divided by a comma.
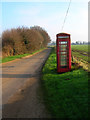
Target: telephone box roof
{"x": 63, "y": 34}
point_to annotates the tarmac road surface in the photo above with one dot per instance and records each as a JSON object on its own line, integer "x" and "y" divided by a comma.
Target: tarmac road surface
{"x": 21, "y": 97}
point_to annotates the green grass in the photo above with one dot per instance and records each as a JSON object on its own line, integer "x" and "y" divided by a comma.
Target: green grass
{"x": 66, "y": 94}
{"x": 10, "y": 58}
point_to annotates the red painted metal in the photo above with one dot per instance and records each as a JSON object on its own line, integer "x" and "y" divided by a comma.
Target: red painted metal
{"x": 63, "y": 50}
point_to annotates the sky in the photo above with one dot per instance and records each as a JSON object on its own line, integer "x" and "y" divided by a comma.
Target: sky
{"x": 49, "y": 15}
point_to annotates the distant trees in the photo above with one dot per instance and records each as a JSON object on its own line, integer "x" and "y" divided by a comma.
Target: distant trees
{"x": 23, "y": 40}
{"x": 80, "y": 43}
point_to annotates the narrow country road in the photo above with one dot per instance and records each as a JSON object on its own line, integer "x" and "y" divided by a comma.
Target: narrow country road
{"x": 21, "y": 96}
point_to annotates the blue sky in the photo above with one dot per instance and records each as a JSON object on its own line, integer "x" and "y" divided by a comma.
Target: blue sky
{"x": 49, "y": 15}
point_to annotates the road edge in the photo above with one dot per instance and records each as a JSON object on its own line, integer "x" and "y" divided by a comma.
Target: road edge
{"x": 23, "y": 57}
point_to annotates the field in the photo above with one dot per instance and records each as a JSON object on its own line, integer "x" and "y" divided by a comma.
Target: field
{"x": 84, "y": 48}
{"x": 81, "y": 51}
{"x": 82, "y": 54}
{"x": 66, "y": 94}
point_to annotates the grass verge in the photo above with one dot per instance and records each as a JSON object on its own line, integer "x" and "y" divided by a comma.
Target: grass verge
{"x": 66, "y": 94}
{"x": 10, "y": 58}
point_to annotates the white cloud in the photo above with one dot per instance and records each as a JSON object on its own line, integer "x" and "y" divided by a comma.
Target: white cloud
{"x": 32, "y": 11}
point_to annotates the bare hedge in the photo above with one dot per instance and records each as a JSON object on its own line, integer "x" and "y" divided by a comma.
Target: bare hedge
{"x": 23, "y": 40}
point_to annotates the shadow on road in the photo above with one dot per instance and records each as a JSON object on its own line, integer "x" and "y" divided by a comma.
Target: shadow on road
{"x": 18, "y": 75}
{"x": 27, "y": 102}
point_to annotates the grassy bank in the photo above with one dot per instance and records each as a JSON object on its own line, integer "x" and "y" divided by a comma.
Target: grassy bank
{"x": 66, "y": 94}
{"x": 10, "y": 58}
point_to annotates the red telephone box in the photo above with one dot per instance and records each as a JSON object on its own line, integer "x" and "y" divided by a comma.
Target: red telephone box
{"x": 63, "y": 46}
